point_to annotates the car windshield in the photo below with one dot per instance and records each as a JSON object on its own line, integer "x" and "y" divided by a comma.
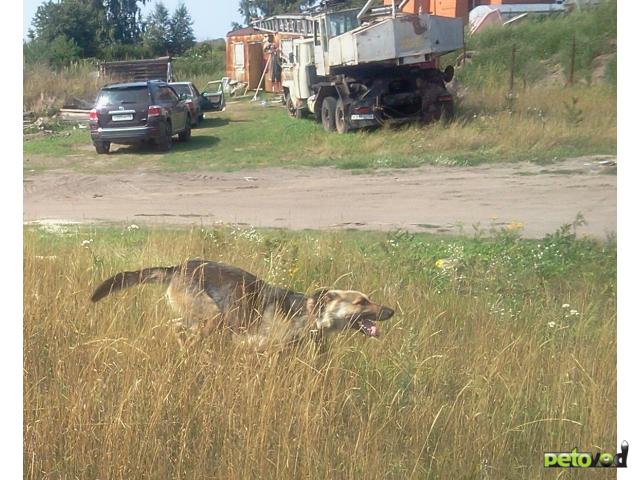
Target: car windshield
{"x": 120, "y": 96}
{"x": 342, "y": 22}
{"x": 181, "y": 89}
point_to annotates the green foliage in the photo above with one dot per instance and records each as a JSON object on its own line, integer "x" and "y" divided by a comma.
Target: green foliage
{"x": 166, "y": 34}
{"x": 76, "y": 20}
{"x": 202, "y": 60}
{"x": 258, "y": 8}
{"x": 181, "y": 32}
{"x": 122, "y": 51}
{"x": 122, "y": 21}
{"x": 573, "y": 114}
{"x": 157, "y": 34}
{"x": 98, "y": 28}
{"x": 58, "y": 52}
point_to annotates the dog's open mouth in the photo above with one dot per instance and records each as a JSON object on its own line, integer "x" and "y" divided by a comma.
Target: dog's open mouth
{"x": 367, "y": 327}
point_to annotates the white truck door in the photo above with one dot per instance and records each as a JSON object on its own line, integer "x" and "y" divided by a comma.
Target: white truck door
{"x": 320, "y": 42}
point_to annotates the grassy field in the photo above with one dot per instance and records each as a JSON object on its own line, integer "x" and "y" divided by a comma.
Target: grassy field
{"x": 500, "y": 349}
{"x": 545, "y": 125}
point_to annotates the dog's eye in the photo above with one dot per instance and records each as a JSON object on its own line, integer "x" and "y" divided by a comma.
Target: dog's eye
{"x": 361, "y": 301}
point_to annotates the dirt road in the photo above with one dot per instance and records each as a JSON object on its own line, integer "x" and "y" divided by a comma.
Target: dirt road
{"x": 426, "y": 199}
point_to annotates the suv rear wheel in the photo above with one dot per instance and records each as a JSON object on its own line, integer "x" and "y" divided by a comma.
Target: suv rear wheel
{"x": 163, "y": 142}
{"x": 185, "y": 135}
{"x": 102, "y": 147}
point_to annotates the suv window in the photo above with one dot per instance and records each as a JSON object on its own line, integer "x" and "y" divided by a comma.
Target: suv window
{"x": 122, "y": 96}
{"x": 165, "y": 94}
{"x": 182, "y": 89}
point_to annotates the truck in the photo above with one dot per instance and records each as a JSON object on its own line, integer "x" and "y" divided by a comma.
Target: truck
{"x": 372, "y": 66}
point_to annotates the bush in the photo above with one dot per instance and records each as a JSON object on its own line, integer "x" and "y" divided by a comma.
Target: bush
{"x": 60, "y": 52}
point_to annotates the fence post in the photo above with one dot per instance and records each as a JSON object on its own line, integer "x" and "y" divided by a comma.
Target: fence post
{"x": 513, "y": 68}
{"x": 572, "y": 65}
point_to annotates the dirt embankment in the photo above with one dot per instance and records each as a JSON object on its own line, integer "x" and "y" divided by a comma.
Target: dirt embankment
{"x": 427, "y": 199}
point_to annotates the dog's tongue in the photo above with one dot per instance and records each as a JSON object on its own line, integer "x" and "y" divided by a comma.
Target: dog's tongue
{"x": 369, "y": 328}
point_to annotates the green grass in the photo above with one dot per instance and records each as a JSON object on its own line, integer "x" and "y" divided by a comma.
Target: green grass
{"x": 543, "y": 49}
{"x": 500, "y": 349}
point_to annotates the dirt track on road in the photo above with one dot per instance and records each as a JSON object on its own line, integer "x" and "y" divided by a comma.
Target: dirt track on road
{"x": 426, "y": 199}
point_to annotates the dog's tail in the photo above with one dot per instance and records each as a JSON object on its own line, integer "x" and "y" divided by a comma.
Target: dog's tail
{"x": 122, "y": 280}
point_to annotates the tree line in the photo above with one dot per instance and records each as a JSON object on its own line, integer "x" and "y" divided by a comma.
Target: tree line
{"x": 67, "y": 30}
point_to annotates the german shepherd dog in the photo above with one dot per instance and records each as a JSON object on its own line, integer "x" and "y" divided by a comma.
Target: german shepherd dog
{"x": 210, "y": 296}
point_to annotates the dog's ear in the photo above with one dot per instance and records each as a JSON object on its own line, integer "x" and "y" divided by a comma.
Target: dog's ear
{"x": 317, "y": 301}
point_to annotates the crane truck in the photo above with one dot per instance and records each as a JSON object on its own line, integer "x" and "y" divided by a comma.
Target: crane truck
{"x": 371, "y": 66}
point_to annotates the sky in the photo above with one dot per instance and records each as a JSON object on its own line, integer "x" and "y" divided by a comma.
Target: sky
{"x": 211, "y": 18}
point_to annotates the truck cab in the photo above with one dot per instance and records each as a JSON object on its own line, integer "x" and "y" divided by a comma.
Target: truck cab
{"x": 326, "y": 27}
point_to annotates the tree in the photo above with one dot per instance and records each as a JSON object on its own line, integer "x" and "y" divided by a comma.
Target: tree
{"x": 181, "y": 31}
{"x": 157, "y": 33}
{"x": 77, "y": 21}
{"x": 57, "y": 52}
{"x": 265, "y": 8}
{"x": 123, "y": 20}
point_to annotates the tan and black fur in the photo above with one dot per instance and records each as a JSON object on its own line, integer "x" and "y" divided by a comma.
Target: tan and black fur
{"x": 212, "y": 296}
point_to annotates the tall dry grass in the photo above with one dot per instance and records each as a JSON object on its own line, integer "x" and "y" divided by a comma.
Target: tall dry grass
{"x": 481, "y": 370}
{"x": 45, "y": 89}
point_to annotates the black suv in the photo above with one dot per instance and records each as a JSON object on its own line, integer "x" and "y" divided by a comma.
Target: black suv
{"x": 129, "y": 113}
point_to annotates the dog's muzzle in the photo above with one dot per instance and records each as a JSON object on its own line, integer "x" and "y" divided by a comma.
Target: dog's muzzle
{"x": 369, "y": 328}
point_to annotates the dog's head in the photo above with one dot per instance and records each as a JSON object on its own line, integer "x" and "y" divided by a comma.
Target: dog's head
{"x": 338, "y": 310}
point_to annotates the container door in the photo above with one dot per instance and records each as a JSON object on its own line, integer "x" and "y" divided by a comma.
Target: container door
{"x": 256, "y": 65}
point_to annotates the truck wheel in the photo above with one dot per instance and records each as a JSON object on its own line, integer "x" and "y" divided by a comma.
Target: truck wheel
{"x": 102, "y": 147}
{"x": 185, "y": 134}
{"x": 329, "y": 114}
{"x": 291, "y": 109}
{"x": 163, "y": 142}
{"x": 342, "y": 120}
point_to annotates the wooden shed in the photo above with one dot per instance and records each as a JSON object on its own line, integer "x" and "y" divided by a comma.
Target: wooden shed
{"x": 249, "y": 50}
{"x": 139, "y": 70}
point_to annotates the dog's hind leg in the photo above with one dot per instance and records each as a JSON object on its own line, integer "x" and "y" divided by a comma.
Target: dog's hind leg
{"x": 211, "y": 324}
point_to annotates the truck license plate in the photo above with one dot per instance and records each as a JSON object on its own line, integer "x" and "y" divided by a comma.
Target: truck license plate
{"x": 367, "y": 116}
{"x": 122, "y": 118}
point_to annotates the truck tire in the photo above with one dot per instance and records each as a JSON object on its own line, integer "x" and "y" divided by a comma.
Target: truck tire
{"x": 342, "y": 120}
{"x": 329, "y": 114}
{"x": 185, "y": 134}
{"x": 294, "y": 112}
{"x": 102, "y": 148}
{"x": 291, "y": 109}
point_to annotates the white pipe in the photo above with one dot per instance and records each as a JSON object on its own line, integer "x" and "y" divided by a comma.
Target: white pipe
{"x": 365, "y": 9}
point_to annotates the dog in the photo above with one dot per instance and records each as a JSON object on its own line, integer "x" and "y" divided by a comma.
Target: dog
{"x": 209, "y": 296}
